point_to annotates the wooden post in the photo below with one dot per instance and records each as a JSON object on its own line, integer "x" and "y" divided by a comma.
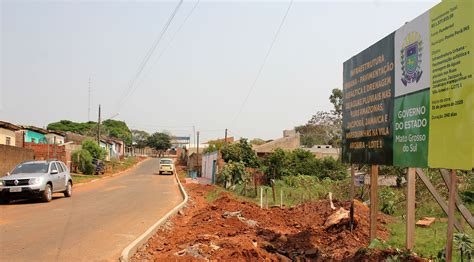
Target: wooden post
{"x": 374, "y": 173}
{"x": 351, "y": 223}
{"x": 410, "y": 219}
{"x": 451, "y": 207}
{"x": 281, "y": 197}
{"x": 261, "y": 197}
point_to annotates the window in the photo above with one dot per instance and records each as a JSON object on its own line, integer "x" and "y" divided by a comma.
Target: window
{"x": 53, "y": 167}
{"x": 60, "y": 167}
{"x": 8, "y": 141}
{"x": 32, "y": 140}
{"x": 64, "y": 166}
{"x": 29, "y": 168}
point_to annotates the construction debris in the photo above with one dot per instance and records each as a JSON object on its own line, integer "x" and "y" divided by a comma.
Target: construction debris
{"x": 426, "y": 221}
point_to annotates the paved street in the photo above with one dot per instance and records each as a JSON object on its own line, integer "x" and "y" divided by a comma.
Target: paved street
{"x": 95, "y": 224}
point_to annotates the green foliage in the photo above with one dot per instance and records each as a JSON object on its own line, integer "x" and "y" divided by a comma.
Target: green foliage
{"x": 302, "y": 162}
{"x": 336, "y": 99}
{"x": 159, "y": 141}
{"x": 214, "y": 145}
{"x": 387, "y": 198}
{"x": 378, "y": 244}
{"x": 257, "y": 141}
{"x": 70, "y": 126}
{"x": 240, "y": 152}
{"x": 83, "y": 160}
{"x": 94, "y": 149}
{"x": 110, "y": 128}
{"x": 233, "y": 173}
{"x": 140, "y": 138}
{"x": 465, "y": 246}
{"x": 118, "y": 129}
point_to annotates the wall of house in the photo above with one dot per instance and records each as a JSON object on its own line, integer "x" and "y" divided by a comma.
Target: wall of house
{"x": 38, "y": 137}
{"x": 47, "y": 151}
{"x": 4, "y": 133}
{"x": 12, "y": 156}
{"x": 51, "y": 137}
{"x": 207, "y": 164}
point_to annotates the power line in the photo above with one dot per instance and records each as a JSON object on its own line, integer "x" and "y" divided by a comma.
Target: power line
{"x": 150, "y": 52}
{"x": 264, "y": 62}
{"x": 169, "y": 43}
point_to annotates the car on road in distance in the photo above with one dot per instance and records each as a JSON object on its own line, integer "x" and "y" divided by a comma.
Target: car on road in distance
{"x": 166, "y": 166}
{"x": 36, "y": 179}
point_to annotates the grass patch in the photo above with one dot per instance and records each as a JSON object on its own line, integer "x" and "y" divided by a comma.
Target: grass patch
{"x": 214, "y": 194}
{"x": 83, "y": 178}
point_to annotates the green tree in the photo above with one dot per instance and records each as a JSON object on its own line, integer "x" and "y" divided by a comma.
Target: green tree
{"x": 70, "y": 126}
{"x": 159, "y": 141}
{"x": 140, "y": 138}
{"x": 118, "y": 129}
{"x": 240, "y": 152}
{"x": 257, "y": 141}
{"x": 94, "y": 149}
{"x": 336, "y": 99}
{"x": 214, "y": 145}
{"x": 82, "y": 159}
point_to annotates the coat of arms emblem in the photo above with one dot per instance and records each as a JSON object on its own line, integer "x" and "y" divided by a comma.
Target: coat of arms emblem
{"x": 410, "y": 58}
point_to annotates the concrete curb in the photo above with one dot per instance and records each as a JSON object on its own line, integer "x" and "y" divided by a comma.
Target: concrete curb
{"x": 128, "y": 252}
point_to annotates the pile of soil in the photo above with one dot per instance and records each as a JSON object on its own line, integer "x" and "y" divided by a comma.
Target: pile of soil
{"x": 233, "y": 229}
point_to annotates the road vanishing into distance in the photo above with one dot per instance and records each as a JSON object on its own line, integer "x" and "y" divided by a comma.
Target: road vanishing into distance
{"x": 95, "y": 224}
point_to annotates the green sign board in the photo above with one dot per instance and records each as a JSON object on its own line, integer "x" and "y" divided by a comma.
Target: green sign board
{"x": 408, "y": 99}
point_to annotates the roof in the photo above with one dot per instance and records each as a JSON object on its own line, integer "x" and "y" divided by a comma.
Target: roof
{"x": 56, "y": 132}
{"x": 286, "y": 143}
{"x": 9, "y": 126}
{"x": 35, "y": 129}
{"x": 77, "y": 138}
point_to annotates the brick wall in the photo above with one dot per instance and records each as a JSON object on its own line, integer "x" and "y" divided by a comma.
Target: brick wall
{"x": 46, "y": 151}
{"x": 10, "y": 156}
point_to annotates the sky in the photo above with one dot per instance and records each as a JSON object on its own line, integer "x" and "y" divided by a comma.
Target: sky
{"x": 202, "y": 70}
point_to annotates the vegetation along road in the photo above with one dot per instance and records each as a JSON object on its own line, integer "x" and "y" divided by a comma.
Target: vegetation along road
{"x": 95, "y": 224}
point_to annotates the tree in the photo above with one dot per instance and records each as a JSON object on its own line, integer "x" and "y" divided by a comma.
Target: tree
{"x": 257, "y": 141}
{"x": 82, "y": 159}
{"x": 240, "y": 152}
{"x": 140, "y": 138}
{"x": 214, "y": 145}
{"x": 336, "y": 99}
{"x": 94, "y": 149}
{"x": 159, "y": 141}
{"x": 118, "y": 129}
{"x": 70, "y": 126}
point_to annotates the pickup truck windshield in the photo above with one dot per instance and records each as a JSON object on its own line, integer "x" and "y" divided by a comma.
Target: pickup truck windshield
{"x": 29, "y": 168}
{"x": 166, "y": 161}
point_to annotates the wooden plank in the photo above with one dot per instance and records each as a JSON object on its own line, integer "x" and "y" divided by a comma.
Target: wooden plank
{"x": 374, "y": 173}
{"x": 437, "y": 196}
{"x": 351, "y": 223}
{"x": 410, "y": 218}
{"x": 451, "y": 207}
{"x": 461, "y": 207}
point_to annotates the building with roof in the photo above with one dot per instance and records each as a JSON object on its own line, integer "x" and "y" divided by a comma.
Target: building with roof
{"x": 55, "y": 137}
{"x": 8, "y": 133}
{"x": 289, "y": 141}
{"x": 34, "y": 134}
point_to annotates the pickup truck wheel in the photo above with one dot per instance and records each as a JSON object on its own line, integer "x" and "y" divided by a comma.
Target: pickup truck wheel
{"x": 68, "y": 191}
{"x": 47, "y": 193}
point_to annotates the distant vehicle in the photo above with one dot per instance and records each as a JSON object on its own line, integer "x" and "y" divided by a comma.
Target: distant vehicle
{"x": 99, "y": 166}
{"x": 36, "y": 179}
{"x": 166, "y": 166}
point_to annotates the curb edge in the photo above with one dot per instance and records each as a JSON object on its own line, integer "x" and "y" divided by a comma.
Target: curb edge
{"x": 132, "y": 247}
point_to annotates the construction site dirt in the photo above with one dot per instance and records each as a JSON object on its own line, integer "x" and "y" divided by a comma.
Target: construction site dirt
{"x": 232, "y": 229}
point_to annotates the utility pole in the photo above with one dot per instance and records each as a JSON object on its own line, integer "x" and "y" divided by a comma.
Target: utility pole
{"x": 225, "y": 137}
{"x": 89, "y": 102}
{"x": 197, "y": 152}
{"x": 98, "y": 129}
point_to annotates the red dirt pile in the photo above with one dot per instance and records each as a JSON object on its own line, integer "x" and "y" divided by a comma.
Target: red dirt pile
{"x": 230, "y": 229}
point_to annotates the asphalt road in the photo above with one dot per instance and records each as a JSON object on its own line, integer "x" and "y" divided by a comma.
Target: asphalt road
{"x": 95, "y": 224}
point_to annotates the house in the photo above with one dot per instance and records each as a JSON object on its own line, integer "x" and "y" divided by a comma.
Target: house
{"x": 34, "y": 134}
{"x": 55, "y": 137}
{"x": 289, "y": 141}
{"x": 322, "y": 151}
{"x": 118, "y": 148}
{"x": 8, "y": 133}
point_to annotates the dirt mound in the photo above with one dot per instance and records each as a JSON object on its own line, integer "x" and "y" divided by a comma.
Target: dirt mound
{"x": 232, "y": 229}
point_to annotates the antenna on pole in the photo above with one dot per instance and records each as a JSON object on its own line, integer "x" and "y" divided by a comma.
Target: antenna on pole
{"x": 89, "y": 101}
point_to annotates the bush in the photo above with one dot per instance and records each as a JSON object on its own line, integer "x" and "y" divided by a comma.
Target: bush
{"x": 233, "y": 173}
{"x": 240, "y": 152}
{"x": 83, "y": 160}
{"x": 94, "y": 149}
